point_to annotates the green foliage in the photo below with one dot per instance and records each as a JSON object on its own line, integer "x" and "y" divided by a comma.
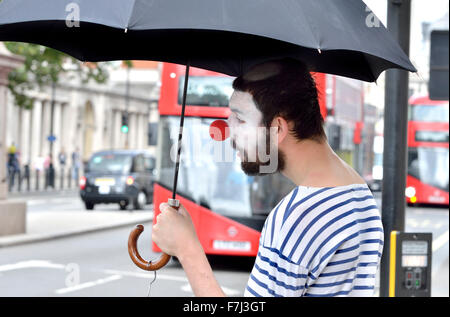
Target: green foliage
{"x": 43, "y": 66}
{"x": 128, "y": 64}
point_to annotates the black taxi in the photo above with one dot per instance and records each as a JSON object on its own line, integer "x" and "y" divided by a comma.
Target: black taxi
{"x": 124, "y": 177}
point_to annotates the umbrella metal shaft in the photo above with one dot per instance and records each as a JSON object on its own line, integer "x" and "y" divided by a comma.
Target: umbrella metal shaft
{"x": 180, "y": 134}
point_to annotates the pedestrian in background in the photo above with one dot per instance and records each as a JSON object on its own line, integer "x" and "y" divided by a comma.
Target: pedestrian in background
{"x": 75, "y": 164}
{"x": 12, "y": 164}
{"x": 62, "y": 158}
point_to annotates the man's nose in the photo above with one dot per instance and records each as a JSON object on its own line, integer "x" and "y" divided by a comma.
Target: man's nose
{"x": 219, "y": 130}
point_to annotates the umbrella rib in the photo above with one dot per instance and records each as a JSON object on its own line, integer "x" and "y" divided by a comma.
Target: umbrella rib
{"x": 309, "y": 24}
{"x": 374, "y": 78}
{"x": 130, "y": 15}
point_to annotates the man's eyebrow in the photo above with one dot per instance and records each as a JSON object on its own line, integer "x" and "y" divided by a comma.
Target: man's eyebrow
{"x": 236, "y": 110}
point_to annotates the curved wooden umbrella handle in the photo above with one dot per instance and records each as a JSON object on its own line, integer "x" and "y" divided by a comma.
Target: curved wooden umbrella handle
{"x": 134, "y": 253}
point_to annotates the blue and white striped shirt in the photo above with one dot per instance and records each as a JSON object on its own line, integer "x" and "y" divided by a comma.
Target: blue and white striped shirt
{"x": 319, "y": 242}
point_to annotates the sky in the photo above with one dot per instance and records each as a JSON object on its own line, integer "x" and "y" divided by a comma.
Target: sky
{"x": 421, "y": 11}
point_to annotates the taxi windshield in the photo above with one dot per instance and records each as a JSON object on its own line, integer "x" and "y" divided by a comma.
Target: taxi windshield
{"x": 110, "y": 163}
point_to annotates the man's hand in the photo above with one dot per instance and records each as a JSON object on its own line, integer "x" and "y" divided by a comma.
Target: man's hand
{"x": 174, "y": 232}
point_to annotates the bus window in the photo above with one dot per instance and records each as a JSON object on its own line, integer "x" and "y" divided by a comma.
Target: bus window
{"x": 432, "y": 136}
{"x": 212, "y": 181}
{"x": 430, "y": 113}
{"x": 430, "y": 166}
{"x": 206, "y": 91}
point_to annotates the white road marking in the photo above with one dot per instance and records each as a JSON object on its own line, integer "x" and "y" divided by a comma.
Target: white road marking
{"x": 228, "y": 291}
{"x": 412, "y": 222}
{"x": 148, "y": 275}
{"x": 185, "y": 287}
{"x": 426, "y": 223}
{"x": 35, "y": 202}
{"x": 88, "y": 284}
{"x": 31, "y": 264}
{"x": 440, "y": 241}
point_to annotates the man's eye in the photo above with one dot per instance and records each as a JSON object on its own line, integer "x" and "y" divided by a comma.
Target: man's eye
{"x": 239, "y": 120}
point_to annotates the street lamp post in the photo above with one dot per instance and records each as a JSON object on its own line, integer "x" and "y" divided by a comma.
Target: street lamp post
{"x": 51, "y": 168}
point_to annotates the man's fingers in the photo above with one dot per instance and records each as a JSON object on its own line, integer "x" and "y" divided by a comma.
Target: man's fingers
{"x": 163, "y": 206}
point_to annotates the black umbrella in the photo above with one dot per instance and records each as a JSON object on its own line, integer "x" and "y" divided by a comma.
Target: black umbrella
{"x": 226, "y": 36}
{"x": 330, "y": 36}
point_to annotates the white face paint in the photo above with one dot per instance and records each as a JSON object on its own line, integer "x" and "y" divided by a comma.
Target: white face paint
{"x": 245, "y": 125}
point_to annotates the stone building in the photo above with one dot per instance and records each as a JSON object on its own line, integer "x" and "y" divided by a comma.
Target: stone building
{"x": 12, "y": 213}
{"x": 87, "y": 117}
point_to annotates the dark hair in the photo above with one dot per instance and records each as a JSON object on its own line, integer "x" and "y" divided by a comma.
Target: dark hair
{"x": 285, "y": 88}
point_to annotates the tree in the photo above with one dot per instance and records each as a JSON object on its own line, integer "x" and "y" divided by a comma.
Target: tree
{"x": 43, "y": 66}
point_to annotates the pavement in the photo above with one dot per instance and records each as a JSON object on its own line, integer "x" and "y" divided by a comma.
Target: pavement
{"x": 47, "y": 225}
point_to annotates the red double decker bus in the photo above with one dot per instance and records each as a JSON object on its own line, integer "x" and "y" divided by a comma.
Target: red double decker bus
{"x": 428, "y": 152}
{"x": 228, "y": 207}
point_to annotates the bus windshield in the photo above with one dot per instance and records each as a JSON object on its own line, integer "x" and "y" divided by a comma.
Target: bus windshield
{"x": 430, "y": 166}
{"x": 211, "y": 175}
{"x": 430, "y": 113}
{"x": 209, "y": 91}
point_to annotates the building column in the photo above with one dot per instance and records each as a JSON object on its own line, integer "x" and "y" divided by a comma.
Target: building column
{"x": 36, "y": 137}
{"x": 111, "y": 128}
{"x": 57, "y": 132}
{"x": 63, "y": 129}
{"x": 117, "y": 132}
{"x": 25, "y": 136}
{"x": 143, "y": 131}
{"x": 12, "y": 214}
{"x": 45, "y": 128}
{"x": 3, "y": 129}
{"x": 13, "y": 123}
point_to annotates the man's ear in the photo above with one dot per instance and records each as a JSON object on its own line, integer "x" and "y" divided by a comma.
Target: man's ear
{"x": 282, "y": 128}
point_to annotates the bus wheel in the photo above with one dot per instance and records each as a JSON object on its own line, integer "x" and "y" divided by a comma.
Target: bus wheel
{"x": 140, "y": 201}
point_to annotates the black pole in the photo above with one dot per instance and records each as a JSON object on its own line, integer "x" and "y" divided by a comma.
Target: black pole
{"x": 395, "y": 137}
{"x": 180, "y": 134}
{"x": 51, "y": 170}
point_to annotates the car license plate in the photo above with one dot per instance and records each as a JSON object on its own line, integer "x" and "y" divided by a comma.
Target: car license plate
{"x": 104, "y": 189}
{"x": 105, "y": 181}
{"x": 232, "y": 245}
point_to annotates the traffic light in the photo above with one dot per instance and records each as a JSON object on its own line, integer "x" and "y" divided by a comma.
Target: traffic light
{"x": 438, "y": 83}
{"x": 124, "y": 128}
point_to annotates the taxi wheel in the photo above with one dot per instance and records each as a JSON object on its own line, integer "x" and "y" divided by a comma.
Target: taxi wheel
{"x": 89, "y": 205}
{"x": 123, "y": 205}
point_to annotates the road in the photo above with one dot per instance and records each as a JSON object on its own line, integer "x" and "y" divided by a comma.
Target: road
{"x": 97, "y": 264}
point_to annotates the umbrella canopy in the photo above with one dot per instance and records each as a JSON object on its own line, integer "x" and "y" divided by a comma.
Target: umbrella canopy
{"x": 330, "y": 36}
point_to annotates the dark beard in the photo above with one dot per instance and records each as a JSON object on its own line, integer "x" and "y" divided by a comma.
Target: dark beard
{"x": 254, "y": 168}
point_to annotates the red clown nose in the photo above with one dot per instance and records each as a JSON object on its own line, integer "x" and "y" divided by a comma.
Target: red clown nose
{"x": 219, "y": 131}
